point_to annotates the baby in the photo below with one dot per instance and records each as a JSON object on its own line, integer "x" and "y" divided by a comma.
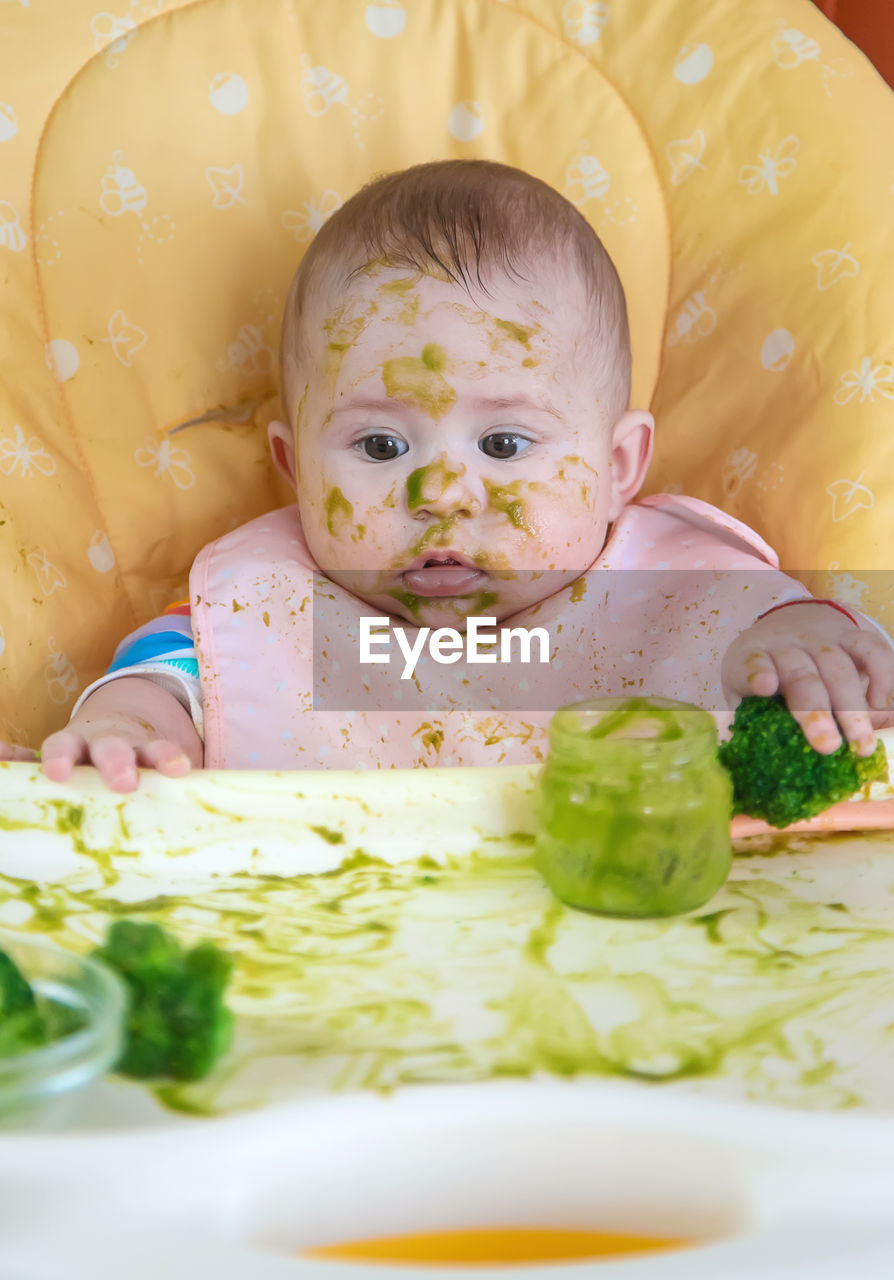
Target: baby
{"x": 455, "y": 373}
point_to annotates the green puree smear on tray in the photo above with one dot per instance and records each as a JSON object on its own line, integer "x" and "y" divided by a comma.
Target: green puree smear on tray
{"x": 374, "y": 976}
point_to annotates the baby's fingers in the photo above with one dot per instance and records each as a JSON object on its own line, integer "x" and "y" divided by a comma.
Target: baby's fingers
{"x": 807, "y": 698}
{"x": 116, "y": 761}
{"x": 875, "y": 659}
{"x": 845, "y": 687}
{"x": 761, "y": 677}
{"x": 166, "y": 757}
{"x": 61, "y": 752}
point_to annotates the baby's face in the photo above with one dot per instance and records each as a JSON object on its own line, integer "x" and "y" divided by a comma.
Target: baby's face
{"x": 450, "y": 450}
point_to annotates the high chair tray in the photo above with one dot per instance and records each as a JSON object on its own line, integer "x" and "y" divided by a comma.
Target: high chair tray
{"x": 728, "y": 1075}
{"x": 389, "y": 928}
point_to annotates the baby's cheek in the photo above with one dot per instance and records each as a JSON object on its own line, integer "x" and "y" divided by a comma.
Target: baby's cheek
{"x": 328, "y": 520}
{"x": 354, "y": 531}
{"x": 561, "y": 532}
{"x": 570, "y": 516}
{"x": 577, "y": 484}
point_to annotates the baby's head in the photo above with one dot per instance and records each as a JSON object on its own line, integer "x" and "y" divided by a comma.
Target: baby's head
{"x": 455, "y": 366}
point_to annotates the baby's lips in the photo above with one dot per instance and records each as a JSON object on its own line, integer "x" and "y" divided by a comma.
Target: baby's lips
{"x": 440, "y": 556}
{"x": 441, "y": 578}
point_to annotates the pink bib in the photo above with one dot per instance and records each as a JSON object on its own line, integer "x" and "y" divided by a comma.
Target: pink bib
{"x": 661, "y": 629}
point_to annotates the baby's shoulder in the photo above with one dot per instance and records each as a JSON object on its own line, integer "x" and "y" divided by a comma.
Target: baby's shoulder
{"x": 275, "y": 537}
{"x": 671, "y": 530}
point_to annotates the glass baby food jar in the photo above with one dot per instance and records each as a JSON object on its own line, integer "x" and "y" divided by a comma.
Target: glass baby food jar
{"x": 634, "y": 807}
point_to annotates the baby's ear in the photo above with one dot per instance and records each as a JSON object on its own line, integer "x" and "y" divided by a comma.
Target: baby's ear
{"x": 632, "y": 438}
{"x": 282, "y": 447}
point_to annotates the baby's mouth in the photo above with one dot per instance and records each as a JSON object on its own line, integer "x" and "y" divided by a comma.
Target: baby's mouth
{"x": 444, "y": 573}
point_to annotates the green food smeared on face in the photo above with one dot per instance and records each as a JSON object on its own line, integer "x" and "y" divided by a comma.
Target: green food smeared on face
{"x": 517, "y": 332}
{"x": 414, "y": 487}
{"x": 434, "y": 358}
{"x": 419, "y": 382}
{"x": 410, "y": 602}
{"x": 410, "y": 312}
{"x": 339, "y": 511}
{"x": 435, "y": 535}
{"x": 347, "y": 323}
{"x": 506, "y": 500}
{"x": 400, "y": 287}
{"x": 299, "y": 410}
{"x": 428, "y": 484}
{"x": 344, "y": 327}
{"x": 482, "y": 601}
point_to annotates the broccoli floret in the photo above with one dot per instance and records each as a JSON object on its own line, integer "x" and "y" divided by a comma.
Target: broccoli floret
{"x": 778, "y": 776}
{"x": 16, "y": 995}
{"x": 21, "y": 1031}
{"x": 28, "y": 1021}
{"x": 21, "y": 1024}
{"x": 177, "y": 1023}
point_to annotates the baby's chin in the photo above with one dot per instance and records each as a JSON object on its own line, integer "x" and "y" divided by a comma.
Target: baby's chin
{"x": 451, "y": 612}
{"x": 433, "y": 599}
{"x": 440, "y": 611}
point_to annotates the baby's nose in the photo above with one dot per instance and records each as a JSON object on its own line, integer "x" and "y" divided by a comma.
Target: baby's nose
{"x": 441, "y": 490}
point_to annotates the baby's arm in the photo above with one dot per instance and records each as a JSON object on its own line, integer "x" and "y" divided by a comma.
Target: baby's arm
{"x": 124, "y": 724}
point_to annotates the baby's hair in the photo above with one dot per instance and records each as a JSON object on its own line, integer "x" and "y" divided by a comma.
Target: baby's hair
{"x": 467, "y": 220}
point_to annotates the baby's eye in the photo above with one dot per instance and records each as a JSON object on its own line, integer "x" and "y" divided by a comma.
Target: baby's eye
{"x": 382, "y": 448}
{"x": 503, "y": 444}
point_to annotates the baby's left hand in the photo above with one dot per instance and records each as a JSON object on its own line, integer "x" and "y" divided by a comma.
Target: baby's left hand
{"x": 821, "y": 664}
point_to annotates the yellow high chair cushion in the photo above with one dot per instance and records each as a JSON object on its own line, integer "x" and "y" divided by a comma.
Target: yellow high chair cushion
{"x": 164, "y": 167}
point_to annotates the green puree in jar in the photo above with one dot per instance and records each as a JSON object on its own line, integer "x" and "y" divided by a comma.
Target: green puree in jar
{"x": 634, "y": 808}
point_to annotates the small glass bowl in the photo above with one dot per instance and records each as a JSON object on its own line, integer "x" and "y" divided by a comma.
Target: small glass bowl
{"x": 29, "y": 1080}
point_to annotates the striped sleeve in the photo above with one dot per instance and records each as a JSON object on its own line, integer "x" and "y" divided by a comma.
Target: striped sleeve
{"x": 161, "y": 651}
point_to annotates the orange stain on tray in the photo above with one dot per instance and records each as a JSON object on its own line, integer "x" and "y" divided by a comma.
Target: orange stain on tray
{"x": 493, "y": 1245}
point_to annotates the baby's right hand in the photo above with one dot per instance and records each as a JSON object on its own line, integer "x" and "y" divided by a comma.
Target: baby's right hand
{"x": 125, "y": 725}
{"x": 117, "y": 747}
